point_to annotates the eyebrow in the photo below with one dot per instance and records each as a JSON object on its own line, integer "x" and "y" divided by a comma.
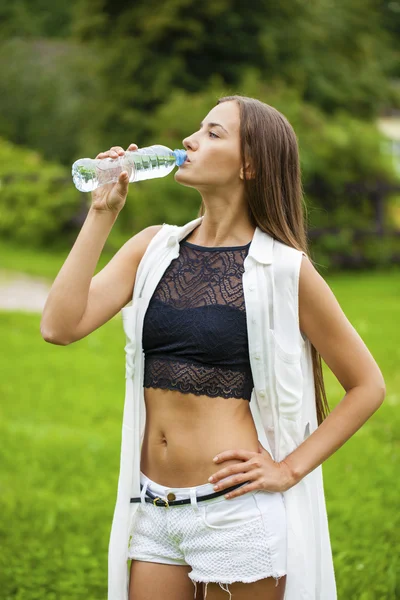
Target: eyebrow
{"x": 213, "y": 125}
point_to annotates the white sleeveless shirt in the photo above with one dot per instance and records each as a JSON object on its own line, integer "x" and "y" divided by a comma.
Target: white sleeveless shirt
{"x": 282, "y": 404}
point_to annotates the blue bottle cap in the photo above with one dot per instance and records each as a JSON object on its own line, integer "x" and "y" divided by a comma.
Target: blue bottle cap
{"x": 180, "y": 156}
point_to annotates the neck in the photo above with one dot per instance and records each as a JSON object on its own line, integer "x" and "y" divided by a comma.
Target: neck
{"x": 223, "y": 225}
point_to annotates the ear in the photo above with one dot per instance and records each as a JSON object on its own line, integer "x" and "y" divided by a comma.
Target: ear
{"x": 249, "y": 173}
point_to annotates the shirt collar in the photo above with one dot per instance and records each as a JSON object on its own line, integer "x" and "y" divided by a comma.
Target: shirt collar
{"x": 260, "y": 248}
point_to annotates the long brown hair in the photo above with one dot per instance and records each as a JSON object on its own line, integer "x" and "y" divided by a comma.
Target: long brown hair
{"x": 275, "y": 197}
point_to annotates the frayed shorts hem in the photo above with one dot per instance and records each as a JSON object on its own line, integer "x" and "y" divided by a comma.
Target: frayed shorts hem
{"x": 196, "y": 580}
{"x": 243, "y": 580}
{"x": 230, "y": 581}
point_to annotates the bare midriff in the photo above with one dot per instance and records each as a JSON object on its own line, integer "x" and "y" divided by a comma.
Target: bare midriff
{"x": 184, "y": 432}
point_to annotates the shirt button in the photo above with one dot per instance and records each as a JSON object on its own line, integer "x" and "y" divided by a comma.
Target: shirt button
{"x": 254, "y": 320}
{"x": 262, "y": 393}
{"x": 171, "y": 496}
{"x": 251, "y": 287}
{"x": 257, "y": 355}
{"x": 171, "y": 241}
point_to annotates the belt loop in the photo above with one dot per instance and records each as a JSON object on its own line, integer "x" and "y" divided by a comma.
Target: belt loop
{"x": 143, "y": 492}
{"x": 193, "y": 498}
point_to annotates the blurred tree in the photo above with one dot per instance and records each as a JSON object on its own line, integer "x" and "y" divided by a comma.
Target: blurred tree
{"x": 390, "y": 10}
{"x": 338, "y": 55}
{"x": 35, "y": 18}
{"x": 332, "y": 152}
{"x": 50, "y": 97}
{"x": 80, "y": 77}
{"x": 36, "y": 204}
{"x": 128, "y": 58}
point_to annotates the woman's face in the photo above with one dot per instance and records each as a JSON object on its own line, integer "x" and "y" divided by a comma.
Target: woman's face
{"x": 213, "y": 151}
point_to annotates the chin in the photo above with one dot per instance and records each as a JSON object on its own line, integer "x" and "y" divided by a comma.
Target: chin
{"x": 179, "y": 177}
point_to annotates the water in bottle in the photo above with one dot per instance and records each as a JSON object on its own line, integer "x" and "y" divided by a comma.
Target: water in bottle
{"x": 145, "y": 163}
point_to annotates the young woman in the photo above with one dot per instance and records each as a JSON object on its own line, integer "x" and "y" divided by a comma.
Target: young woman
{"x": 198, "y": 380}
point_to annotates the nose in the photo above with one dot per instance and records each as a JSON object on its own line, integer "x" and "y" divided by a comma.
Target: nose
{"x": 189, "y": 143}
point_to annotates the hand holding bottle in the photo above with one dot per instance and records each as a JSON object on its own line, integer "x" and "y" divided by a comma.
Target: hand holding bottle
{"x": 112, "y": 196}
{"x": 145, "y": 163}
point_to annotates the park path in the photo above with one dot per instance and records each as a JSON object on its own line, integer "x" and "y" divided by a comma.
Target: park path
{"x": 19, "y": 291}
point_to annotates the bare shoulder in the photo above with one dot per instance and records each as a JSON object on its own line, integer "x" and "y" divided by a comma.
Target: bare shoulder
{"x": 120, "y": 273}
{"x": 112, "y": 287}
{"x": 325, "y": 324}
{"x": 123, "y": 266}
{"x": 138, "y": 243}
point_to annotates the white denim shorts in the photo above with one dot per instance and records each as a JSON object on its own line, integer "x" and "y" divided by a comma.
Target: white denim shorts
{"x": 223, "y": 540}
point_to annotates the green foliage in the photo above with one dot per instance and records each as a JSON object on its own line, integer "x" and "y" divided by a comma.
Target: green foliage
{"x": 332, "y": 251}
{"x": 35, "y": 202}
{"x": 335, "y": 151}
{"x": 35, "y": 18}
{"x": 80, "y": 78}
{"x": 50, "y": 97}
{"x": 390, "y": 10}
{"x": 337, "y": 56}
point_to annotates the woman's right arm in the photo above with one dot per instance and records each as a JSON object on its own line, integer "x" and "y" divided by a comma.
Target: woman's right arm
{"x": 78, "y": 302}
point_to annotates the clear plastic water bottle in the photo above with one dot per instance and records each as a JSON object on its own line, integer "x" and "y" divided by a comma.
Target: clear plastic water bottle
{"x": 145, "y": 163}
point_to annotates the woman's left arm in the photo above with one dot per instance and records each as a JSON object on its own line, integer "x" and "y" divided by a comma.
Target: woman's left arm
{"x": 326, "y": 326}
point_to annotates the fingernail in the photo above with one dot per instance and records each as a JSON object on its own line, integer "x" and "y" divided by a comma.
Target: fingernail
{"x": 211, "y": 478}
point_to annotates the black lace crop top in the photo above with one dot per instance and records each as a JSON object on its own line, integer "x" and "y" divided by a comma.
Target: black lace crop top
{"x": 194, "y": 330}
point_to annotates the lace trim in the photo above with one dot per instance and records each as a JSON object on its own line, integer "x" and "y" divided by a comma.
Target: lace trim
{"x": 188, "y": 377}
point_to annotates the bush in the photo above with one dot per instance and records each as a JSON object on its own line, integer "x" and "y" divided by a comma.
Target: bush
{"x": 36, "y": 198}
{"x": 51, "y": 97}
{"x": 333, "y": 152}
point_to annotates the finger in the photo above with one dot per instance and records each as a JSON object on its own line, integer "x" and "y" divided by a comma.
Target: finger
{"x": 231, "y": 481}
{"x": 123, "y": 182}
{"x": 231, "y": 475}
{"x": 243, "y": 490}
{"x": 132, "y": 147}
{"x": 229, "y": 454}
{"x": 116, "y": 152}
{"x": 117, "y": 149}
{"x": 110, "y": 154}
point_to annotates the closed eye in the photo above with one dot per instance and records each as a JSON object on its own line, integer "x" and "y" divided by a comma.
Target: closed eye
{"x": 212, "y": 133}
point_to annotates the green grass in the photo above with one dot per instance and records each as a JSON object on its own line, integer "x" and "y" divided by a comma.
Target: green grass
{"x": 60, "y": 428}
{"x": 42, "y": 263}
